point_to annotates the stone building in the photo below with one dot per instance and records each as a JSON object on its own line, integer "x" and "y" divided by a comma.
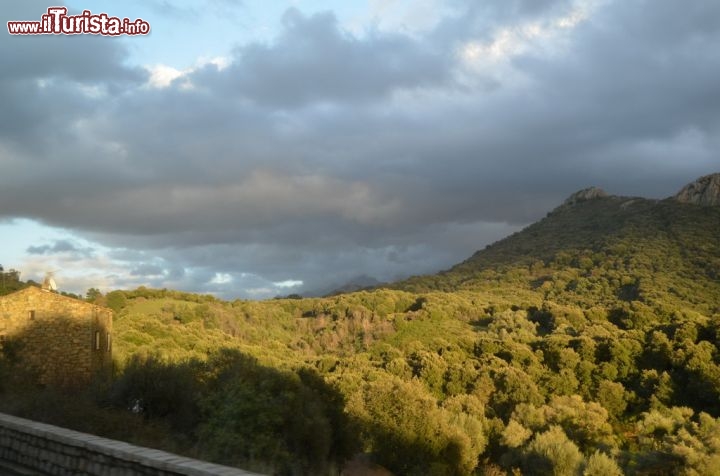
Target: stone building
{"x": 61, "y": 339}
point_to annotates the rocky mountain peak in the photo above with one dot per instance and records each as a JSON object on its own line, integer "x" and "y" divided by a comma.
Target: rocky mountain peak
{"x": 585, "y": 195}
{"x": 703, "y": 191}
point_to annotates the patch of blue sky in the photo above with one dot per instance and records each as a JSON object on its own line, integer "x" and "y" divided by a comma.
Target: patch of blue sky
{"x": 186, "y": 32}
{"x": 19, "y": 234}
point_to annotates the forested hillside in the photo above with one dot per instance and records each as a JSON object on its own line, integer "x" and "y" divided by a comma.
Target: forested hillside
{"x": 585, "y": 344}
{"x": 607, "y": 250}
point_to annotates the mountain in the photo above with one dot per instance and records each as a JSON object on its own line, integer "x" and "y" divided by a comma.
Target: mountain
{"x": 595, "y": 247}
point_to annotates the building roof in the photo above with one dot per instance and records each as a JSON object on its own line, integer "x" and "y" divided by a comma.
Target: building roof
{"x": 50, "y": 294}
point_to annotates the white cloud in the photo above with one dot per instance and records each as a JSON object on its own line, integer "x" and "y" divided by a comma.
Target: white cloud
{"x": 512, "y": 40}
{"x": 162, "y": 76}
{"x": 221, "y": 278}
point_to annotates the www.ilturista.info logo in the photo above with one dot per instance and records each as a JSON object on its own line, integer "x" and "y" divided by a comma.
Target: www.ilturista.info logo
{"x": 57, "y": 22}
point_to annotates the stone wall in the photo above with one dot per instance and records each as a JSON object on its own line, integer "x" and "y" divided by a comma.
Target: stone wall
{"x": 59, "y": 452}
{"x": 63, "y": 340}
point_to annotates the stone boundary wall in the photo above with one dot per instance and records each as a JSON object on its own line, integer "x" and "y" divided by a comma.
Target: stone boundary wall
{"x": 60, "y": 452}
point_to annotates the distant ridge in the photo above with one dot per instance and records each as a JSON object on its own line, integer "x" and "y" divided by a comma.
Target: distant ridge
{"x": 704, "y": 191}
{"x": 357, "y": 283}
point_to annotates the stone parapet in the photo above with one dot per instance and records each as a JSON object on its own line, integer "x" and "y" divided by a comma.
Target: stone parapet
{"x": 61, "y": 452}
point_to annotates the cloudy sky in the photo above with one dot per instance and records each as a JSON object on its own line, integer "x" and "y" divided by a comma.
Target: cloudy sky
{"x": 251, "y": 148}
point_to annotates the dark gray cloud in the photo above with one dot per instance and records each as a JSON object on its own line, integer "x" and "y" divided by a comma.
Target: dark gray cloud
{"x": 148, "y": 270}
{"x": 315, "y": 61}
{"x": 62, "y": 246}
{"x": 58, "y": 247}
{"x": 326, "y": 154}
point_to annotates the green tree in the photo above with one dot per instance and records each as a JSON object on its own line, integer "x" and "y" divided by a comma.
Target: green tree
{"x": 116, "y": 300}
{"x": 552, "y": 453}
{"x": 600, "y": 464}
{"x": 93, "y": 295}
{"x": 409, "y": 434}
{"x": 611, "y": 395}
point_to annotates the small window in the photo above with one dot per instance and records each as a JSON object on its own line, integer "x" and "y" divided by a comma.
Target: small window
{"x": 108, "y": 342}
{"x": 97, "y": 340}
{"x": 31, "y": 315}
